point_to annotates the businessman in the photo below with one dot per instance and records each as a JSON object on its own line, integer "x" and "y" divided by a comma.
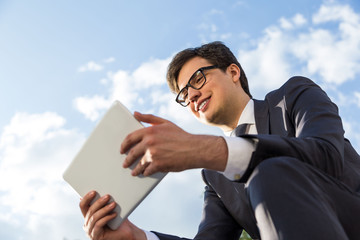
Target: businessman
{"x": 283, "y": 170}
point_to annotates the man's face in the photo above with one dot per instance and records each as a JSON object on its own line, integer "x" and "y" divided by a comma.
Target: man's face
{"x": 216, "y": 103}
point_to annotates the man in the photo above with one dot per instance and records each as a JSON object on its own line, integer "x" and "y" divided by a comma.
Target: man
{"x": 284, "y": 172}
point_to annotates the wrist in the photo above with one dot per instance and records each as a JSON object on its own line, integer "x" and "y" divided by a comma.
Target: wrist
{"x": 137, "y": 233}
{"x": 212, "y": 153}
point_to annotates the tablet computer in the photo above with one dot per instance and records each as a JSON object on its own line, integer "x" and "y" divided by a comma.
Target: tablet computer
{"x": 98, "y": 165}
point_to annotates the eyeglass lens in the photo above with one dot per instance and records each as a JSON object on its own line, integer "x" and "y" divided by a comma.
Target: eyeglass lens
{"x": 195, "y": 82}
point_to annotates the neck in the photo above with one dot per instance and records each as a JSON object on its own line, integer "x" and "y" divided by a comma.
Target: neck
{"x": 235, "y": 116}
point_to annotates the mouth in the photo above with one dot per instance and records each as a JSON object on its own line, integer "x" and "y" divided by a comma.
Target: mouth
{"x": 202, "y": 106}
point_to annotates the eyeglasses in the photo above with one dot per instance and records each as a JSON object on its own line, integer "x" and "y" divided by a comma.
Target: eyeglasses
{"x": 197, "y": 81}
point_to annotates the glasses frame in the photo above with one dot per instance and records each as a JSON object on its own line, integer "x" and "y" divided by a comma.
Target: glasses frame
{"x": 201, "y": 70}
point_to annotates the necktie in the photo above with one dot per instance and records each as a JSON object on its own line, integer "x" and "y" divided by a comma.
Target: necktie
{"x": 242, "y": 129}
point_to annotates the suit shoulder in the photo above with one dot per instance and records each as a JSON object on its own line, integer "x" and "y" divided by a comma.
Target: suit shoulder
{"x": 294, "y": 84}
{"x": 298, "y": 81}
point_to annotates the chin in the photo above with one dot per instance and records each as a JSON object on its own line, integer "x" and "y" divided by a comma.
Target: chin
{"x": 215, "y": 119}
{"x": 206, "y": 120}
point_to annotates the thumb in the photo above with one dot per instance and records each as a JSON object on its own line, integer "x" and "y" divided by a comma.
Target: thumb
{"x": 149, "y": 118}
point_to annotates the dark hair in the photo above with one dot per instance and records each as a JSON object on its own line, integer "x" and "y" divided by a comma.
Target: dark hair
{"x": 215, "y": 52}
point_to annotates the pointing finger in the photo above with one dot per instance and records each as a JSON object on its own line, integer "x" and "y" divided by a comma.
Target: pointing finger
{"x": 149, "y": 118}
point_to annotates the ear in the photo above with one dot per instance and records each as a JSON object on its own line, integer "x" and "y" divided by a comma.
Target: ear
{"x": 235, "y": 72}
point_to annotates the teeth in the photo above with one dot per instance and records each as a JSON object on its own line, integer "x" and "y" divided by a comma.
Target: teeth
{"x": 202, "y": 104}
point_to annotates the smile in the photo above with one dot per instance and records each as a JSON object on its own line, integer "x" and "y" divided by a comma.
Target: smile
{"x": 203, "y": 104}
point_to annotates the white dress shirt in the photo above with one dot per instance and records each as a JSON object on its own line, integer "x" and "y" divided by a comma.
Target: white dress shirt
{"x": 239, "y": 151}
{"x": 150, "y": 235}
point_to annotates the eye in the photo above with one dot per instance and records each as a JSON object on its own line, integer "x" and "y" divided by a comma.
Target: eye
{"x": 184, "y": 94}
{"x": 197, "y": 79}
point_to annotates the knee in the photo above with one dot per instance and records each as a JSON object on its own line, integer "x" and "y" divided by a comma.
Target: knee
{"x": 278, "y": 166}
{"x": 272, "y": 172}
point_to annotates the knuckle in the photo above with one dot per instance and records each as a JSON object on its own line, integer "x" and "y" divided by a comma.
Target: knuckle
{"x": 150, "y": 130}
{"x": 89, "y": 214}
{"x": 131, "y": 152}
{"x": 150, "y": 141}
{"x": 152, "y": 152}
{"x": 97, "y": 227}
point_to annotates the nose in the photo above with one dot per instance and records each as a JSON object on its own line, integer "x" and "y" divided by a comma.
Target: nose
{"x": 193, "y": 94}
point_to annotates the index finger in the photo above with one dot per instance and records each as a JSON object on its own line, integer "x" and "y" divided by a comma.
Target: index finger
{"x": 149, "y": 118}
{"x": 131, "y": 140}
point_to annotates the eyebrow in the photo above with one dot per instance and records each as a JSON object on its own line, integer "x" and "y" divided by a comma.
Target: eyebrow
{"x": 180, "y": 88}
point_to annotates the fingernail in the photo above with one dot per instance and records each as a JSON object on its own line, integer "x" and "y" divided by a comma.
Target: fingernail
{"x": 125, "y": 163}
{"x": 105, "y": 197}
{"x": 111, "y": 205}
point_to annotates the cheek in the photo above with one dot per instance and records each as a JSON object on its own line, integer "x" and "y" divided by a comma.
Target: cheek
{"x": 191, "y": 109}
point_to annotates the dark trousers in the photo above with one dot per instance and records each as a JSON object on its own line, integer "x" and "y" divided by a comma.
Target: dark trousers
{"x": 292, "y": 200}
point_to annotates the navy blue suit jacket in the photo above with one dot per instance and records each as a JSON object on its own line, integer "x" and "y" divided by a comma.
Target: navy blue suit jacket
{"x": 297, "y": 120}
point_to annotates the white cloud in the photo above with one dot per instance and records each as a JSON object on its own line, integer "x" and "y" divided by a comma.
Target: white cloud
{"x": 34, "y": 151}
{"x": 152, "y": 73}
{"x": 299, "y": 20}
{"x": 285, "y": 23}
{"x": 90, "y": 66}
{"x": 104, "y": 81}
{"x": 333, "y": 54}
{"x": 91, "y": 107}
{"x": 129, "y": 88}
{"x": 336, "y": 12}
{"x": 320, "y": 50}
{"x": 267, "y": 66}
{"x": 296, "y": 21}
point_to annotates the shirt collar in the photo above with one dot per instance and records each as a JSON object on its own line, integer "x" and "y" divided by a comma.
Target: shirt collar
{"x": 247, "y": 116}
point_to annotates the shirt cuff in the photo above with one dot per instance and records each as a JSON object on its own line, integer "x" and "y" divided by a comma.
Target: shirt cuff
{"x": 150, "y": 235}
{"x": 239, "y": 155}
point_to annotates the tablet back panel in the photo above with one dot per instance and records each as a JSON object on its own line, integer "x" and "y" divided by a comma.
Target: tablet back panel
{"x": 98, "y": 165}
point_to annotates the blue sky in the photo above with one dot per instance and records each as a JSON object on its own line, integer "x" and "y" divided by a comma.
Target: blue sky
{"x": 64, "y": 62}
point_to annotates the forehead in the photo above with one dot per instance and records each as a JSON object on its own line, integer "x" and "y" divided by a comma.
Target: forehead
{"x": 189, "y": 68}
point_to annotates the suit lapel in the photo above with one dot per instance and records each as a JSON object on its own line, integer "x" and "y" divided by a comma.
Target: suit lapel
{"x": 261, "y": 111}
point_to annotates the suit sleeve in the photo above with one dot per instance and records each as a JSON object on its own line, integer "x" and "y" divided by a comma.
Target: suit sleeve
{"x": 216, "y": 223}
{"x": 314, "y": 129}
